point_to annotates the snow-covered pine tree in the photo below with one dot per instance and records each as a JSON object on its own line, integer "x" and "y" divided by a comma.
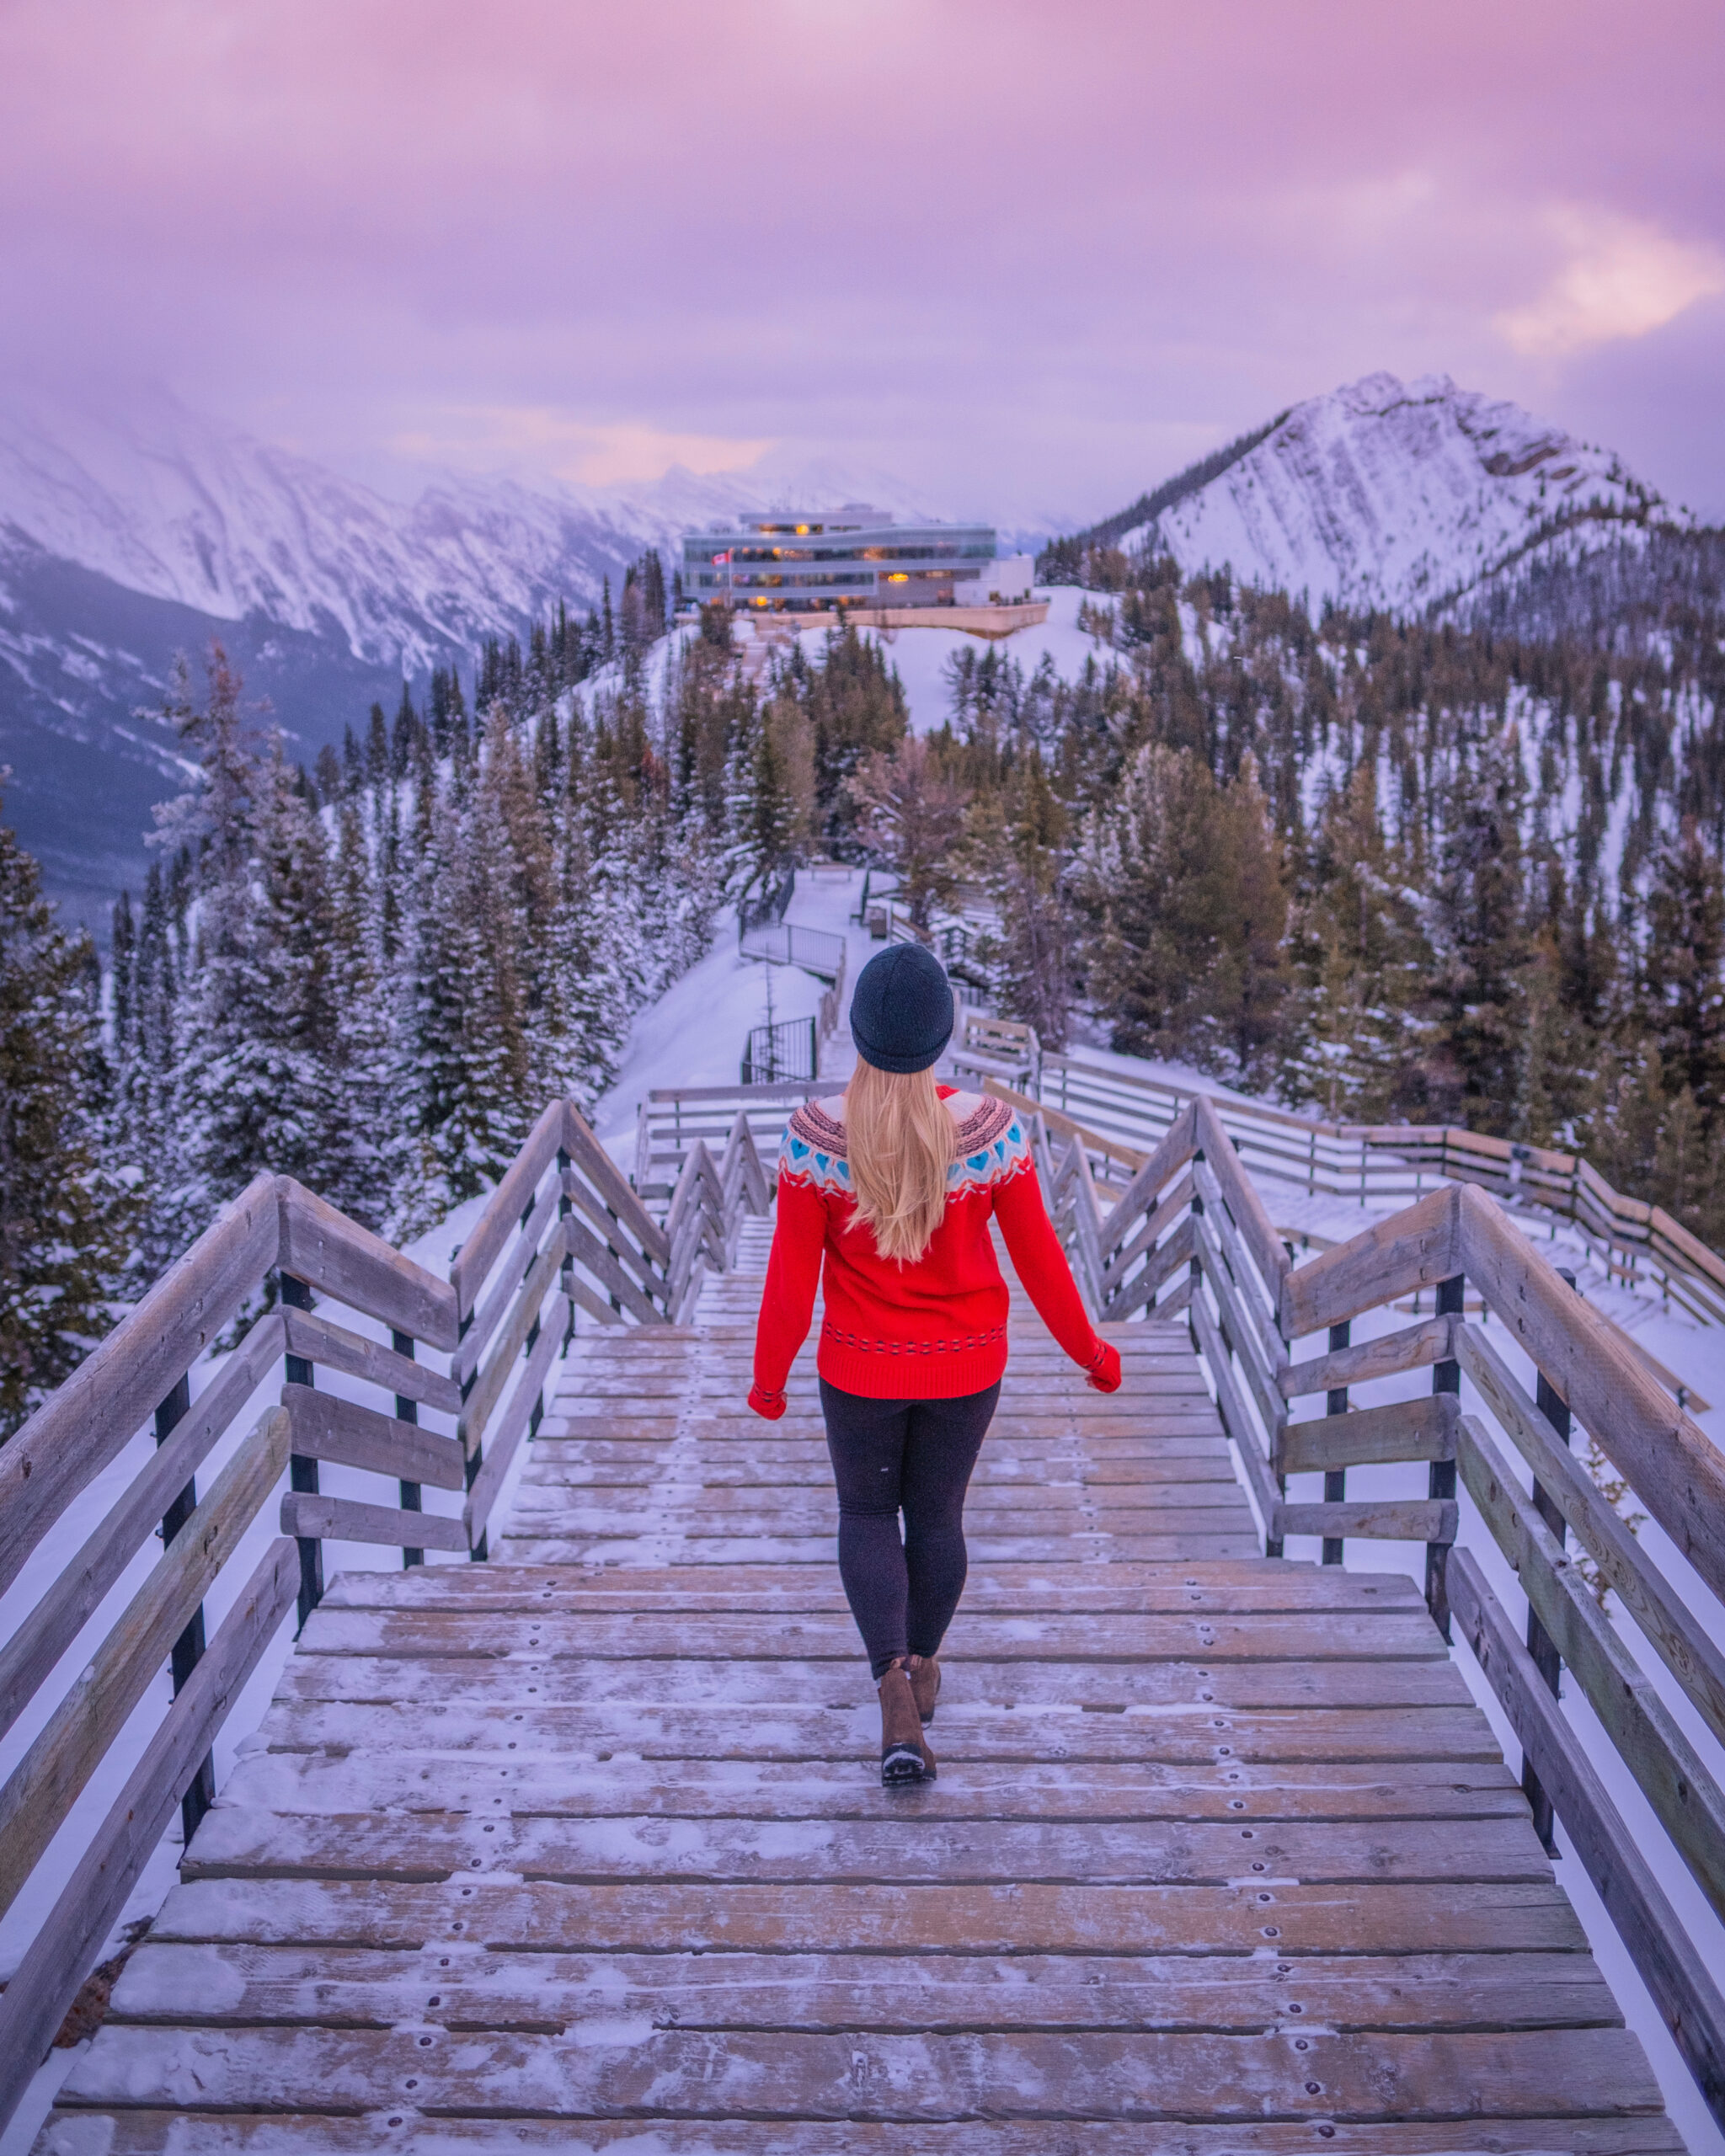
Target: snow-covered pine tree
{"x": 65, "y": 1215}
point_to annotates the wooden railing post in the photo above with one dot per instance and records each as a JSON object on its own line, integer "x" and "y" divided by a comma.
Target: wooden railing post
{"x": 1336, "y": 1478}
{"x": 302, "y": 1473}
{"x": 189, "y": 1648}
{"x": 1540, "y": 1646}
{"x": 408, "y": 1411}
{"x": 1446, "y": 1377}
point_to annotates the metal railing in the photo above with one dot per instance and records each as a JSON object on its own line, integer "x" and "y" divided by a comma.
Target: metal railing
{"x": 784, "y": 943}
{"x": 787, "y": 1049}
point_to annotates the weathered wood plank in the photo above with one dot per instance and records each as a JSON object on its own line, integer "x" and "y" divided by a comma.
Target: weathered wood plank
{"x": 1020, "y": 1918}
{"x": 341, "y": 1519}
{"x": 489, "y": 1385}
{"x": 353, "y": 1987}
{"x": 1682, "y": 1643}
{"x": 1249, "y": 1443}
{"x": 338, "y": 1348}
{"x": 1449, "y": 2075}
{"x": 72, "y": 1744}
{"x": 83, "y": 1423}
{"x": 426, "y": 1779}
{"x": 45, "y": 1632}
{"x": 1683, "y": 1793}
{"x": 326, "y": 1427}
{"x": 511, "y": 1276}
{"x": 603, "y": 1173}
{"x": 60, "y": 1956}
{"x": 1430, "y": 1340}
{"x": 827, "y": 1853}
{"x": 1675, "y": 1468}
{"x": 450, "y": 1680}
{"x": 1683, "y": 1989}
{"x": 512, "y": 1425}
{"x": 150, "y": 2132}
{"x": 1409, "y": 1519}
{"x": 492, "y": 1232}
{"x": 323, "y": 1246}
{"x": 1202, "y": 1638}
{"x": 1415, "y": 1248}
{"x": 531, "y": 1725}
{"x": 1405, "y": 1430}
{"x": 586, "y": 1249}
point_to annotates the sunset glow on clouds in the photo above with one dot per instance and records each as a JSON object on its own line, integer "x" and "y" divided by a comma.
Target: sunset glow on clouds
{"x": 1022, "y": 256}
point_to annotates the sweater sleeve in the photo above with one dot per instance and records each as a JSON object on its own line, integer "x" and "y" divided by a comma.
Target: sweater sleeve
{"x": 1041, "y": 1265}
{"x": 793, "y": 1275}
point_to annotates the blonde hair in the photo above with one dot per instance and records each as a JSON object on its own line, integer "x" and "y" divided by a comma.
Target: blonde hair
{"x": 900, "y": 1140}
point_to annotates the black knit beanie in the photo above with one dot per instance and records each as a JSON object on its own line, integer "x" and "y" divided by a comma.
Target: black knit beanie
{"x": 901, "y": 1014}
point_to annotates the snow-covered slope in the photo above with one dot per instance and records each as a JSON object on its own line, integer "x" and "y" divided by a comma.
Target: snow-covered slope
{"x": 133, "y": 529}
{"x": 166, "y": 505}
{"x": 1402, "y": 496}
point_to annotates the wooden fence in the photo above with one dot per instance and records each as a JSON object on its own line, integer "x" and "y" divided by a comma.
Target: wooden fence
{"x": 1189, "y": 1231}
{"x": 563, "y": 1231}
{"x": 1391, "y": 1164}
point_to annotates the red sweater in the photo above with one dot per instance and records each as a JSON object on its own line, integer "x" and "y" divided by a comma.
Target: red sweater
{"x": 934, "y": 1330}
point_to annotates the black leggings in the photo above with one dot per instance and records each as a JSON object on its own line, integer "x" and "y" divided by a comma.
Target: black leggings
{"x": 913, "y": 1456}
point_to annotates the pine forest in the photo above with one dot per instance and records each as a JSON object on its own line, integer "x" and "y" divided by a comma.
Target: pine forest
{"x": 1374, "y": 869}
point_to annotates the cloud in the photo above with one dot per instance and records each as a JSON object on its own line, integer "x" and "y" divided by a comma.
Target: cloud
{"x": 493, "y": 437}
{"x": 1624, "y": 278}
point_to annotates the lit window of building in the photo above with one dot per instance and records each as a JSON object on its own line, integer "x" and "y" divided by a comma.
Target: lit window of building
{"x": 856, "y": 556}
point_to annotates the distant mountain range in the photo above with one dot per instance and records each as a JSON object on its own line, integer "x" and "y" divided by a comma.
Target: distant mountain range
{"x": 125, "y": 539}
{"x": 1418, "y": 498}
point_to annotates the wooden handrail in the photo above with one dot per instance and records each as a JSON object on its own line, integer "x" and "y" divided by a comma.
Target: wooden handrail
{"x": 1554, "y": 1182}
{"x": 83, "y": 1423}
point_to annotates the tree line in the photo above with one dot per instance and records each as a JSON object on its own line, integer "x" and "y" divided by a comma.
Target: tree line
{"x": 373, "y": 975}
{"x": 1381, "y": 870}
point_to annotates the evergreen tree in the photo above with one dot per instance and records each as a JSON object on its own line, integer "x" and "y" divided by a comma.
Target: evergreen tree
{"x": 65, "y": 1215}
{"x": 1484, "y": 943}
{"x": 1189, "y": 912}
{"x": 1682, "y": 987}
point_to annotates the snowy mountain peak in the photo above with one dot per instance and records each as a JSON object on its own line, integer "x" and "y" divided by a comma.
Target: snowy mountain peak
{"x": 1402, "y": 495}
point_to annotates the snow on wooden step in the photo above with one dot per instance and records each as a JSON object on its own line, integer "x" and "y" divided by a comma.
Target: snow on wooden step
{"x": 585, "y": 1849}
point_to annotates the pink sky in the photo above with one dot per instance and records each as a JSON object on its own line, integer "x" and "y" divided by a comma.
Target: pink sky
{"x": 1027, "y": 255}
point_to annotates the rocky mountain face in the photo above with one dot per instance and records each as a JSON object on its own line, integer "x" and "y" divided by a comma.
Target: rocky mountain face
{"x": 1410, "y": 497}
{"x": 125, "y": 538}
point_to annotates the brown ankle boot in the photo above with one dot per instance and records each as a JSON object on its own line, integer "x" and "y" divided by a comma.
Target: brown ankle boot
{"x": 905, "y": 1758}
{"x": 925, "y": 1684}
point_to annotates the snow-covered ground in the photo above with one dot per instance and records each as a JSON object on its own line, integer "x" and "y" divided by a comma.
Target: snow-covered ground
{"x": 920, "y": 654}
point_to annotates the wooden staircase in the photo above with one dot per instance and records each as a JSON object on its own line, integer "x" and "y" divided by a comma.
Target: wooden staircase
{"x": 584, "y": 1848}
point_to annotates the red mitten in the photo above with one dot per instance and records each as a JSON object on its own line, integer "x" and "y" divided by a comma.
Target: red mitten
{"x": 1103, "y": 1374}
{"x": 770, "y": 1405}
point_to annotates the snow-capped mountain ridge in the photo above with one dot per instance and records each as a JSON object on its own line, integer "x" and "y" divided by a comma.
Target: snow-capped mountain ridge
{"x": 170, "y": 507}
{"x": 1403, "y": 496}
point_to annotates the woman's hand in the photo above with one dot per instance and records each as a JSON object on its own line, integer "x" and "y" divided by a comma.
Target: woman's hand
{"x": 770, "y": 1405}
{"x": 1103, "y": 1372}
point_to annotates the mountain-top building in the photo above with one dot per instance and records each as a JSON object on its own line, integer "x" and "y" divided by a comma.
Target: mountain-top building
{"x": 854, "y": 556}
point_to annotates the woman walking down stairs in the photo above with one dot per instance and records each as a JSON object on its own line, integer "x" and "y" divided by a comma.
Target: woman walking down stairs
{"x": 585, "y": 1849}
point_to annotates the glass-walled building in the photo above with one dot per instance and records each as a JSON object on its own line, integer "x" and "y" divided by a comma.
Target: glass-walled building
{"x": 856, "y": 556}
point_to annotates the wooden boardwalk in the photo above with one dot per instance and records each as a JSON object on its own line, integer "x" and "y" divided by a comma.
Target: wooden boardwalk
{"x": 584, "y": 1848}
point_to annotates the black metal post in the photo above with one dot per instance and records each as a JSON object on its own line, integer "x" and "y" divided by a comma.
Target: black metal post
{"x": 1336, "y": 1478}
{"x": 302, "y": 1473}
{"x": 1540, "y": 1643}
{"x": 189, "y": 1647}
{"x": 479, "y": 1550}
{"x": 1446, "y": 1377}
{"x": 408, "y": 1411}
